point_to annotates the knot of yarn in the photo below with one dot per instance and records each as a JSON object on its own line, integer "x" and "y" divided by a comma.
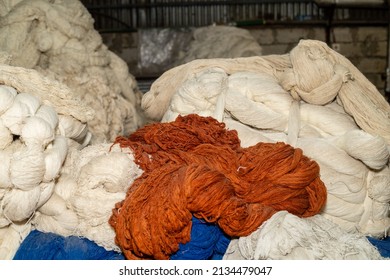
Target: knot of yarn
{"x": 314, "y": 76}
{"x": 195, "y": 167}
{"x": 344, "y": 72}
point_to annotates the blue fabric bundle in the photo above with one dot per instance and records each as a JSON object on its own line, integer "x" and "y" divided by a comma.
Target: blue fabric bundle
{"x": 49, "y": 246}
{"x": 383, "y": 245}
{"x": 207, "y": 242}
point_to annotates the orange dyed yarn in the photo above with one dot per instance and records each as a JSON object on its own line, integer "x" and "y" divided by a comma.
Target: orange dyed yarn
{"x": 195, "y": 166}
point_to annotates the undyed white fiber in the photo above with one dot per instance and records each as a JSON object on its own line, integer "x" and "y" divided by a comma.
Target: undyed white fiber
{"x": 288, "y": 237}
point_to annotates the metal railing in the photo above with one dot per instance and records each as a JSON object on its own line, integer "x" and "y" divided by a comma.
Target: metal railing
{"x": 130, "y": 15}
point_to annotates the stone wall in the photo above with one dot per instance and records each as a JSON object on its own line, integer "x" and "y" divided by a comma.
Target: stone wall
{"x": 365, "y": 47}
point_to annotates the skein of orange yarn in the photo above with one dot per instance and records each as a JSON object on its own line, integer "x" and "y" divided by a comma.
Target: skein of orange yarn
{"x": 194, "y": 166}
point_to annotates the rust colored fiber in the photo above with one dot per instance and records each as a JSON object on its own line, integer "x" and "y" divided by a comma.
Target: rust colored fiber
{"x": 195, "y": 166}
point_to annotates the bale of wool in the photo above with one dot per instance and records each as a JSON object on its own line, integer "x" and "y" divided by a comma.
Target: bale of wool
{"x": 33, "y": 148}
{"x": 58, "y": 40}
{"x": 276, "y": 99}
{"x": 193, "y": 158}
{"x": 287, "y": 237}
{"x": 219, "y": 41}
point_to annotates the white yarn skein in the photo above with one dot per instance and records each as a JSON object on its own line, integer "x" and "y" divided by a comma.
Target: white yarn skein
{"x": 54, "y": 206}
{"x": 10, "y": 239}
{"x": 253, "y": 113}
{"x": 7, "y": 96}
{"x": 62, "y": 224}
{"x": 261, "y": 87}
{"x": 55, "y": 215}
{"x": 48, "y": 114}
{"x": 199, "y": 94}
{"x": 19, "y": 205}
{"x": 15, "y": 116}
{"x": 72, "y": 128}
{"x": 357, "y": 143}
{"x": 107, "y": 172}
{"x": 47, "y": 190}
{"x": 24, "y": 106}
{"x": 4, "y": 221}
{"x": 5, "y": 180}
{"x": 378, "y": 183}
{"x": 6, "y": 136}
{"x": 328, "y": 119}
{"x": 31, "y": 101}
{"x": 27, "y": 168}
{"x": 374, "y": 221}
{"x": 37, "y": 133}
{"x": 55, "y": 155}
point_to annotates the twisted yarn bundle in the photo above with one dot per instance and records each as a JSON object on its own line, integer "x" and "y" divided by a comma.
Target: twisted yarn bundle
{"x": 34, "y": 143}
{"x": 319, "y": 75}
{"x": 193, "y": 159}
{"x": 301, "y": 99}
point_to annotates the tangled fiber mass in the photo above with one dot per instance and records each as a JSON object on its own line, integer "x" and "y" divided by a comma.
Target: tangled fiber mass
{"x": 287, "y": 237}
{"x": 195, "y": 167}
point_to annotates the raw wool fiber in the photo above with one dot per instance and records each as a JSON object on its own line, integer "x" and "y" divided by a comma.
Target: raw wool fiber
{"x": 34, "y": 143}
{"x": 49, "y": 246}
{"x": 57, "y": 38}
{"x": 287, "y": 237}
{"x": 193, "y": 159}
{"x": 274, "y": 99}
{"x": 92, "y": 180}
